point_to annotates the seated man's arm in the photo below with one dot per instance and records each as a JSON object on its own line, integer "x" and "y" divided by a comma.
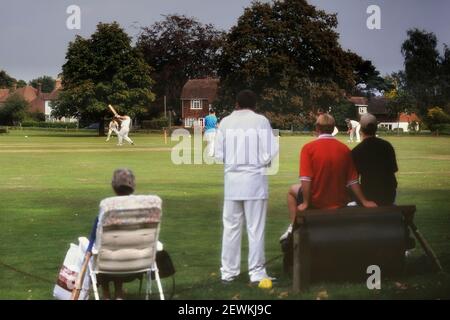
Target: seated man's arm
{"x": 356, "y": 188}
{"x": 353, "y": 183}
{"x": 306, "y": 176}
{"x": 306, "y": 190}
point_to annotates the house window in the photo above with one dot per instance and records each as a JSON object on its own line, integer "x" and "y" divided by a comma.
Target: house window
{"x": 189, "y": 122}
{"x": 362, "y": 110}
{"x": 196, "y": 104}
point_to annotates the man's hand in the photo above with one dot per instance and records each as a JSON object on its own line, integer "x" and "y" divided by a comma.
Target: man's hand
{"x": 303, "y": 207}
{"x": 369, "y": 204}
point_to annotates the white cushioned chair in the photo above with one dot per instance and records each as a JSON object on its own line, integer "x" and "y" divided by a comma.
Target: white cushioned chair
{"x": 127, "y": 237}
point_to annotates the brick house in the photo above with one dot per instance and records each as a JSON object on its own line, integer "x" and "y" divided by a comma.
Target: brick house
{"x": 39, "y": 101}
{"x": 197, "y": 97}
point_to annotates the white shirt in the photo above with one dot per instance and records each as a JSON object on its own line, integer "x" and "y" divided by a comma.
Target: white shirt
{"x": 113, "y": 125}
{"x": 354, "y": 124}
{"x": 125, "y": 124}
{"x": 246, "y": 145}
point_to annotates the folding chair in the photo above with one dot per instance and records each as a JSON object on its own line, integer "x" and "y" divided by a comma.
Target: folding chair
{"x": 126, "y": 241}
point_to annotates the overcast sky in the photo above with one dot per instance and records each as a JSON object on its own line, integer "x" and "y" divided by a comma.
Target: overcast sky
{"x": 34, "y": 37}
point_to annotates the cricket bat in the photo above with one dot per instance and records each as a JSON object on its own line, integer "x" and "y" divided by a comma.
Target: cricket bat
{"x": 113, "y": 110}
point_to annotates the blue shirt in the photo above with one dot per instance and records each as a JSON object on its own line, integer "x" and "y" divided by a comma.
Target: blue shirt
{"x": 210, "y": 123}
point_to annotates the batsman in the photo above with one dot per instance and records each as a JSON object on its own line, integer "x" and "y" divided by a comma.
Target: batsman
{"x": 125, "y": 122}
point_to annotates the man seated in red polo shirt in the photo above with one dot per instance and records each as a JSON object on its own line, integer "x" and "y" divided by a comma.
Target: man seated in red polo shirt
{"x": 326, "y": 171}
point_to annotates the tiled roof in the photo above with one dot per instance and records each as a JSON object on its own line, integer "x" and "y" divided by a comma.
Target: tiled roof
{"x": 362, "y": 101}
{"x": 404, "y": 117}
{"x": 28, "y": 93}
{"x": 200, "y": 89}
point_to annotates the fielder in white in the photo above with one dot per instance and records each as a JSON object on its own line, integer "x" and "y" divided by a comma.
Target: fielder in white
{"x": 125, "y": 122}
{"x": 113, "y": 127}
{"x": 353, "y": 127}
{"x": 246, "y": 145}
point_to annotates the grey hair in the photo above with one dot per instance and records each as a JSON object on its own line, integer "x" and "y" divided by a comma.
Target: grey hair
{"x": 123, "y": 181}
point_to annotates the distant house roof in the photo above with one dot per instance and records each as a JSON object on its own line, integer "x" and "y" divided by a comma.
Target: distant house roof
{"x": 35, "y": 98}
{"x": 4, "y": 93}
{"x": 360, "y": 101}
{"x": 53, "y": 95}
{"x": 200, "y": 89}
{"x": 377, "y": 105}
{"x": 404, "y": 117}
{"x": 28, "y": 93}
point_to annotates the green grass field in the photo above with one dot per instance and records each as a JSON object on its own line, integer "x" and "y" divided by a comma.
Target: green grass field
{"x": 51, "y": 185}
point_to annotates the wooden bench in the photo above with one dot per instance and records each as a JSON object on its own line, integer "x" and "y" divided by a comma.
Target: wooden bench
{"x": 342, "y": 243}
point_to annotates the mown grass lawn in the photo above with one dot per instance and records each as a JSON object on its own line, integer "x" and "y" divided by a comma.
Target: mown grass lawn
{"x": 51, "y": 184}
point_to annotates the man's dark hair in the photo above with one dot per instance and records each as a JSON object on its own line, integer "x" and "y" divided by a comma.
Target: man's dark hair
{"x": 211, "y": 111}
{"x": 246, "y": 99}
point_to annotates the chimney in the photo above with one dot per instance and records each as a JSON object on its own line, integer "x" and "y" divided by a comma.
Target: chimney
{"x": 39, "y": 89}
{"x": 58, "y": 84}
{"x": 14, "y": 87}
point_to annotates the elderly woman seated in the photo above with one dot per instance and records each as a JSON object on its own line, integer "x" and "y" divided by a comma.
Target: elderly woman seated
{"x": 123, "y": 184}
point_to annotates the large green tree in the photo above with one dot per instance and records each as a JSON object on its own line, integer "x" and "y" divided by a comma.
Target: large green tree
{"x": 104, "y": 69}
{"x": 445, "y": 79}
{"x": 288, "y": 53}
{"x": 179, "y": 48}
{"x": 47, "y": 83}
{"x": 422, "y": 68}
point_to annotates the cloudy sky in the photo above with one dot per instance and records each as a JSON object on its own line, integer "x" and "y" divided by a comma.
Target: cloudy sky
{"x": 34, "y": 37}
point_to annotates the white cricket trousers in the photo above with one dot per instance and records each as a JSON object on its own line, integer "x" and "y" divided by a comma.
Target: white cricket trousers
{"x": 234, "y": 213}
{"x": 358, "y": 135}
{"x": 123, "y": 134}
{"x": 210, "y": 137}
{"x": 110, "y": 132}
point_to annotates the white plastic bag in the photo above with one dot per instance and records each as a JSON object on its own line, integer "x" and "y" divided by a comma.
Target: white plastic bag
{"x": 69, "y": 271}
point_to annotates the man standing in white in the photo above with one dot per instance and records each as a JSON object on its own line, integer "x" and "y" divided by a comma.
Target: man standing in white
{"x": 246, "y": 145}
{"x": 354, "y": 127}
{"x": 125, "y": 122}
{"x": 113, "y": 127}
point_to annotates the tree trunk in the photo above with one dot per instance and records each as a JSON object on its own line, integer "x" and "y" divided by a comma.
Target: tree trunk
{"x": 101, "y": 127}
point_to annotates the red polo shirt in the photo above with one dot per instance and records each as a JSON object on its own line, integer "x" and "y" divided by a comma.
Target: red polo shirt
{"x": 328, "y": 164}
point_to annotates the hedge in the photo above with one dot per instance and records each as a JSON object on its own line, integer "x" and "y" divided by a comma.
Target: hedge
{"x": 155, "y": 124}
{"x": 3, "y": 130}
{"x": 36, "y": 124}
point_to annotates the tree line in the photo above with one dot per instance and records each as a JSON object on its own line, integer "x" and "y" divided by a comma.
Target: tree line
{"x": 288, "y": 52}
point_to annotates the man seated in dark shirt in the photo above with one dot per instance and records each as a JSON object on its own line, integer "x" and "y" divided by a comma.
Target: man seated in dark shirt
{"x": 376, "y": 164}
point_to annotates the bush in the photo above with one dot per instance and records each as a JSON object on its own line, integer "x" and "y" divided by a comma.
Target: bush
{"x": 3, "y": 130}
{"x": 36, "y": 124}
{"x": 14, "y": 110}
{"x": 442, "y": 128}
{"x": 155, "y": 124}
{"x": 286, "y": 121}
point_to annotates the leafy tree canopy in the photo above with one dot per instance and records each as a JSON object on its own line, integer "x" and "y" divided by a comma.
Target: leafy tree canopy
{"x": 104, "y": 69}
{"x": 6, "y": 81}
{"x": 47, "y": 83}
{"x": 179, "y": 48}
{"x": 288, "y": 53}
